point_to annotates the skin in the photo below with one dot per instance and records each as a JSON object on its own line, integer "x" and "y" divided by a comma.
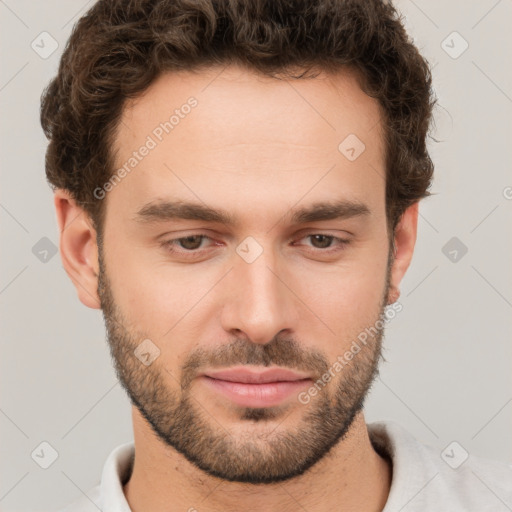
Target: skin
{"x": 294, "y": 304}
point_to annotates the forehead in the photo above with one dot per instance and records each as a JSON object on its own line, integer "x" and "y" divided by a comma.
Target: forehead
{"x": 249, "y": 139}
{"x": 248, "y": 108}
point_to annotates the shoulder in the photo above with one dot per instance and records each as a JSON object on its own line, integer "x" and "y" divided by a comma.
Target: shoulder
{"x": 426, "y": 477}
{"x": 477, "y": 483}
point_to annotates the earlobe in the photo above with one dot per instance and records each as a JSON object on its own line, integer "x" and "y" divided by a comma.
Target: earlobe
{"x": 78, "y": 247}
{"x": 404, "y": 242}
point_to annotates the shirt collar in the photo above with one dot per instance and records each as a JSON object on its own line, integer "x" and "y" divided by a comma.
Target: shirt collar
{"x": 116, "y": 472}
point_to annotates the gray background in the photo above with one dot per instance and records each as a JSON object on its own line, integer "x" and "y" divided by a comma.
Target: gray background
{"x": 448, "y": 375}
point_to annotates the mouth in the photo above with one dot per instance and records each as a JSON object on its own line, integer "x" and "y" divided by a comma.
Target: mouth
{"x": 246, "y": 387}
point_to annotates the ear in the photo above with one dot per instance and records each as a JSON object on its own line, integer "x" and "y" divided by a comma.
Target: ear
{"x": 405, "y": 240}
{"x": 78, "y": 248}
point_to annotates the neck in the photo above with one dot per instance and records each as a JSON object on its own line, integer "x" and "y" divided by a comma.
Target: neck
{"x": 352, "y": 474}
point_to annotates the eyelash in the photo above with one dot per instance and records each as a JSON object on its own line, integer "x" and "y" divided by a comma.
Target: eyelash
{"x": 169, "y": 245}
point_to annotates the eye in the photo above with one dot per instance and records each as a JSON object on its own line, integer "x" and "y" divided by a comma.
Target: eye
{"x": 186, "y": 244}
{"x": 324, "y": 242}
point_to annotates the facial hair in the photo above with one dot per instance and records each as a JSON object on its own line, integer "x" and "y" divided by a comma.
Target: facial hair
{"x": 269, "y": 455}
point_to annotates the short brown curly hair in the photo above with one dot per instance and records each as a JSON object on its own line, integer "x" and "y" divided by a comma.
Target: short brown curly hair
{"x": 119, "y": 47}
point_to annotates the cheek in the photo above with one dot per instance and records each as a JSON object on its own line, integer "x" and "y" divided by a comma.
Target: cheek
{"x": 148, "y": 296}
{"x": 156, "y": 301}
{"x": 347, "y": 299}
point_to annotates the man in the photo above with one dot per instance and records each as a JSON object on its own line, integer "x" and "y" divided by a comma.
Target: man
{"x": 237, "y": 188}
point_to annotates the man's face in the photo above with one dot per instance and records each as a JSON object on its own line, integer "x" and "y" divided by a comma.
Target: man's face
{"x": 268, "y": 289}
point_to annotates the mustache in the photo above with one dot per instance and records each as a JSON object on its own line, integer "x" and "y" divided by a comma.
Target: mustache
{"x": 283, "y": 352}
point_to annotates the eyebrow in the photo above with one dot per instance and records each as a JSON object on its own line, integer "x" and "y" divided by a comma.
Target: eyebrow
{"x": 162, "y": 211}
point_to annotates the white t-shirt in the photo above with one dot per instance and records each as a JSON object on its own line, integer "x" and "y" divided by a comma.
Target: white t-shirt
{"x": 424, "y": 478}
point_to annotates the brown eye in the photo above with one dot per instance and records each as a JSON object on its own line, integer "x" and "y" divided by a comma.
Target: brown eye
{"x": 191, "y": 243}
{"x": 324, "y": 241}
{"x": 186, "y": 245}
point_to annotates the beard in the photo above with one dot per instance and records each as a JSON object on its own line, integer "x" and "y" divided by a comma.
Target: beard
{"x": 258, "y": 454}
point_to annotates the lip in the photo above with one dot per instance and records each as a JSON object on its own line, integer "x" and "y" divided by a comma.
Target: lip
{"x": 254, "y": 376}
{"x": 256, "y": 388}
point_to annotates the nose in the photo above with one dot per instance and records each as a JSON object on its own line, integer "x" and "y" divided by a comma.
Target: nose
{"x": 260, "y": 301}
